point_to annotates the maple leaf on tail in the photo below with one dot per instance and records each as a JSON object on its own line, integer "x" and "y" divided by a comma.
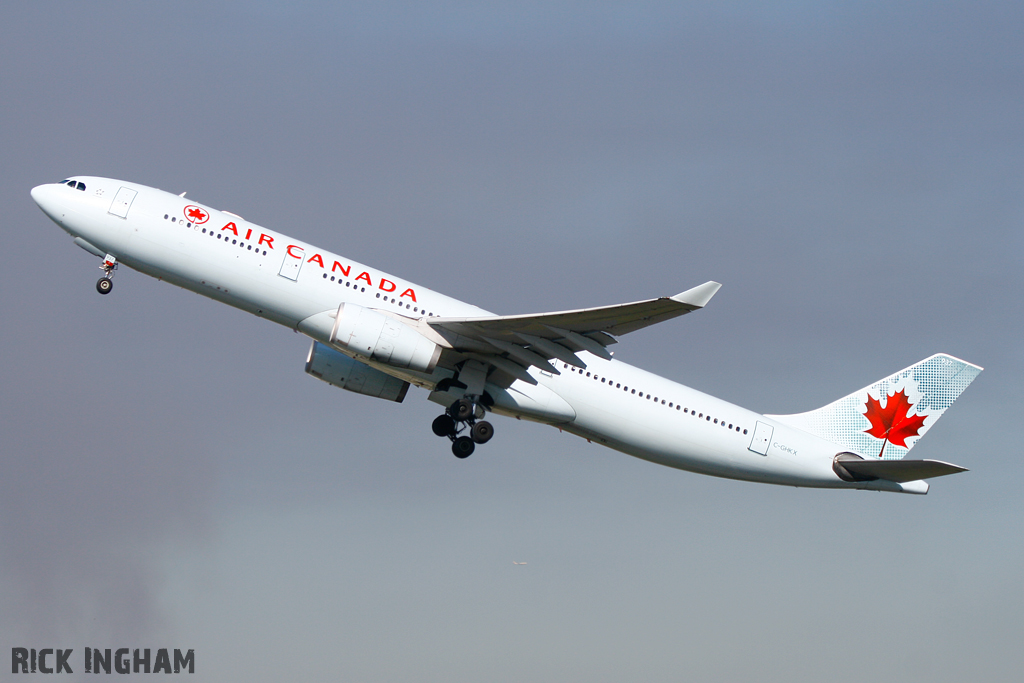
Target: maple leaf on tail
{"x": 891, "y": 423}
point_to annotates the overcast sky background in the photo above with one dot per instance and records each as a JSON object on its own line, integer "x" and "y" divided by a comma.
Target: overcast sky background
{"x": 851, "y": 172}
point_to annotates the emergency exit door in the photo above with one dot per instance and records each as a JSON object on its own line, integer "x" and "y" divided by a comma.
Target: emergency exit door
{"x": 292, "y": 264}
{"x": 762, "y": 437}
{"x": 122, "y": 202}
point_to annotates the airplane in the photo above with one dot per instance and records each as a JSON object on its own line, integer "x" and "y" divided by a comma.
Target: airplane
{"x": 377, "y": 334}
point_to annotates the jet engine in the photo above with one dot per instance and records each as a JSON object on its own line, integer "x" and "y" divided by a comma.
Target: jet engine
{"x": 336, "y": 368}
{"x": 367, "y": 333}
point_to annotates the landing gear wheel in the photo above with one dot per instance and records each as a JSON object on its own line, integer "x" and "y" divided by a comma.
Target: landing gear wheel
{"x": 461, "y": 410}
{"x": 463, "y": 447}
{"x": 481, "y": 432}
{"x": 443, "y": 425}
{"x": 104, "y": 285}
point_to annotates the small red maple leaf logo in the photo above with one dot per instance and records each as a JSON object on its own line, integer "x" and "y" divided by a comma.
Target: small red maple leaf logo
{"x": 891, "y": 423}
{"x": 196, "y": 215}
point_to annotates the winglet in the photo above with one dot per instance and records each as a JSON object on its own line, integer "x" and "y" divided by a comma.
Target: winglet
{"x": 699, "y": 296}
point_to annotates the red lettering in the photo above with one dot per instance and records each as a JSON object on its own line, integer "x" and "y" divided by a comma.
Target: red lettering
{"x": 248, "y": 233}
{"x": 232, "y": 227}
{"x": 292, "y": 246}
{"x": 386, "y": 288}
{"x": 345, "y": 270}
{"x": 409, "y": 293}
{"x": 266, "y": 239}
{"x": 316, "y": 259}
{"x": 365, "y": 276}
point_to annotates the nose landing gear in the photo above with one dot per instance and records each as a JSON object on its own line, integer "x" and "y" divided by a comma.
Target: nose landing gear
{"x": 460, "y": 415}
{"x": 106, "y": 283}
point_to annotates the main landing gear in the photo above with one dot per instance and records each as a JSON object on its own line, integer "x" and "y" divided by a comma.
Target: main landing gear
{"x": 106, "y": 283}
{"x": 461, "y": 415}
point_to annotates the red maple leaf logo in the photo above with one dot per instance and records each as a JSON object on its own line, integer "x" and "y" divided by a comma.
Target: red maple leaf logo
{"x": 196, "y": 214}
{"x": 891, "y": 423}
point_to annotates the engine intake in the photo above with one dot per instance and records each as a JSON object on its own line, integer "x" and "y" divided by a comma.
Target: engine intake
{"x": 367, "y": 333}
{"x": 336, "y": 368}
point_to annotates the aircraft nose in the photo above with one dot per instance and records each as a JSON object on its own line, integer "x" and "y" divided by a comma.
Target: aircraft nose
{"x": 43, "y": 196}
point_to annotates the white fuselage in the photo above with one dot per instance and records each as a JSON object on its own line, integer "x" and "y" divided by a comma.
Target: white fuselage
{"x": 271, "y": 275}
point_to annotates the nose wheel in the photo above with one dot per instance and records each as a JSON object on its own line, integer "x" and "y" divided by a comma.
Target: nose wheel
{"x": 106, "y": 283}
{"x": 461, "y": 415}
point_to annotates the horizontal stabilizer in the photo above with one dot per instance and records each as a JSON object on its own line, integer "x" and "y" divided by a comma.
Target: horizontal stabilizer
{"x": 901, "y": 470}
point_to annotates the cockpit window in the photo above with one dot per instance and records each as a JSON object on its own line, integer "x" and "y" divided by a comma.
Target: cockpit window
{"x": 77, "y": 184}
{"x": 81, "y": 186}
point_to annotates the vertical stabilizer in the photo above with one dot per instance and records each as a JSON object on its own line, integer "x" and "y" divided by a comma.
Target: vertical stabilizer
{"x": 887, "y": 418}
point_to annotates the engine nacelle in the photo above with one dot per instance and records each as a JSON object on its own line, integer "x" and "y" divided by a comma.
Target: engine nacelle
{"x": 370, "y": 334}
{"x": 334, "y": 367}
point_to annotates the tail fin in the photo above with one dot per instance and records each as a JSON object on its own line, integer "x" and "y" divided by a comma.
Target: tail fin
{"x": 886, "y": 419}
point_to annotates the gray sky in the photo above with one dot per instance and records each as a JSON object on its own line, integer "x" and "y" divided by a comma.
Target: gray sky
{"x": 851, "y": 172}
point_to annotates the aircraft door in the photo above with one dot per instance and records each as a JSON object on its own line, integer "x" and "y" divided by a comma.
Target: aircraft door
{"x": 762, "y": 437}
{"x": 122, "y": 202}
{"x": 293, "y": 258}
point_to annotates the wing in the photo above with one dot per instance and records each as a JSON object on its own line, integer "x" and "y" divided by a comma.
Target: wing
{"x": 513, "y": 343}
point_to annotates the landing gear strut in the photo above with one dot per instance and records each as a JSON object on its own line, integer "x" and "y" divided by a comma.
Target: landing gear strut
{"x": 462, "y": 414}
{"x": 106, "y": 283}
